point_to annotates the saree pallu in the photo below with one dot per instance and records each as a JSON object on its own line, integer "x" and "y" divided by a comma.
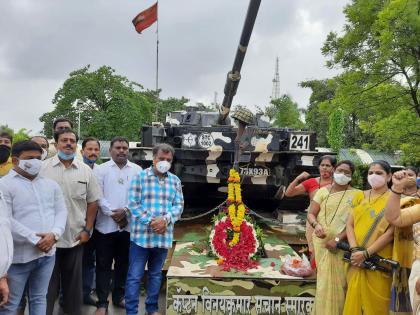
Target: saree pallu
{"x": 403, "y": 253}
{"x": 331, "y": 276}
{"x": 369, "y": 292}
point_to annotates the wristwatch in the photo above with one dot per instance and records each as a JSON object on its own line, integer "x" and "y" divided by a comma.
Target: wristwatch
{"x": 56, "y": 237}
{"x": 337, "y": 239}
{"x": 89, "y": 232}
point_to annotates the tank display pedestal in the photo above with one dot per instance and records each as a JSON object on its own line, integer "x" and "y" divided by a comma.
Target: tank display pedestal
{"x": 197, "y": 285}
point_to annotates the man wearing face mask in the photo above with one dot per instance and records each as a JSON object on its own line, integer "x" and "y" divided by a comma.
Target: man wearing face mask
{"x": 59, "y": 124}
{"x": 81, "y": 193}
{"x": 112, "y": 235}
{"x": 38, "y": 217}
{"x": 43, "y": 143}
{"x": 5, "y": 160}
{"x": 156, "y": 203}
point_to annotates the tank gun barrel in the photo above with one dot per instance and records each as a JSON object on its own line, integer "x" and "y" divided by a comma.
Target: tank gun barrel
{"x": 234, "y": 76}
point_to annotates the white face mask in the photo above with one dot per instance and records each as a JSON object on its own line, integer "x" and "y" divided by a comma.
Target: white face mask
{"x": 163, "y": 166}
{"x": 341, "y": 179}
{"x": 32, "y": 166}
{"x": 44, "y": 154}
{"x": 376, "y": 181}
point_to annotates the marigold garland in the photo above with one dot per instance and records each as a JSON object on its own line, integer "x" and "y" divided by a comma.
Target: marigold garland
{"x": 236, "y": 208}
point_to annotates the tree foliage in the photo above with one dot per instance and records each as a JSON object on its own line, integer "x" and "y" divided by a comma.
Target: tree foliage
{"x": 380, "y": 46}
{"x": 20, "y": 135}
{"x": 378, "y": 53}
{"x": 109, "y": 104}
{"x": 284, "y": 112}
{"x": 336, "y": 126}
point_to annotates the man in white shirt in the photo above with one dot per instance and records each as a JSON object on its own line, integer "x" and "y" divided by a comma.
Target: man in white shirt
{"x": 112, "y": 235}
{"x": 6, "y": 250}
{"x": 81, "y": 193}
{"x": 38, "y": 215}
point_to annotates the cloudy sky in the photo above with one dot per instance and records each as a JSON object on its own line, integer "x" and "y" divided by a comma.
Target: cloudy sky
{"x": 42, "y": 41}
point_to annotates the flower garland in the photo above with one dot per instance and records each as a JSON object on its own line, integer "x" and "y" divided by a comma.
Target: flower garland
{"x": 236, "y": 208}
{"x": 239, "y": 250}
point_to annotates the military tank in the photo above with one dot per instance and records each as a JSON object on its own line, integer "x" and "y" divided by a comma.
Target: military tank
{"x": 208, "y": 144}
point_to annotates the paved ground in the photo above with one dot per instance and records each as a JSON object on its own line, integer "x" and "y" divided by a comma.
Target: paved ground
{"x": 90, "y": 310}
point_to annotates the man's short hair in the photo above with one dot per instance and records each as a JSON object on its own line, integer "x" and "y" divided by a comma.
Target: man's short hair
{"x": 62, "y": 119}
{"x": 88, "y": 139}
{"x": 118, "y": 139}
{"x": 60, "y": 132}
{"x": 43, "y": 137}
{"x": 164, "y": 147}
{"x": 26, "y": 145}
{"x": 5, "y": 134}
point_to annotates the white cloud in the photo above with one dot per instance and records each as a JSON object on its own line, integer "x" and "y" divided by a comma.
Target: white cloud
{"x": 42, "y": 42}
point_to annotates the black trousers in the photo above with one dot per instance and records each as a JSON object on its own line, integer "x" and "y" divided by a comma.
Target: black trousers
{"x": 88, "y": 266}
{"x": 111, "y": 247}
{"x": 67, "y": 275}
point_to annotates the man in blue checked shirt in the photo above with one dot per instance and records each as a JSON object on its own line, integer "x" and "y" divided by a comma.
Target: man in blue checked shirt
{"x": 155, "y": 203}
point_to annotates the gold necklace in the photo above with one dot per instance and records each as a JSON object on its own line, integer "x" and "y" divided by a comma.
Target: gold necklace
{"x": 336, "y": 209}
{"x": 370, "y": 192}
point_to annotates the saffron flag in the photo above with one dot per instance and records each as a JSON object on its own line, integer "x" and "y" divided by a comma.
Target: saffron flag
{"x": 145, "y": 18}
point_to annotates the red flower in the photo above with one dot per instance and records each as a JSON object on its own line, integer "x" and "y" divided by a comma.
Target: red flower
{"x": 237, "y": 256}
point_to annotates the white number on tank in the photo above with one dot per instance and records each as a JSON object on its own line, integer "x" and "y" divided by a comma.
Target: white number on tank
{"x": 205, "y": 140}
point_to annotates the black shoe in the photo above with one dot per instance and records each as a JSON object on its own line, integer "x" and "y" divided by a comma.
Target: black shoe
{"x": 89, "y": 300}
{"x": 120, "y": 303}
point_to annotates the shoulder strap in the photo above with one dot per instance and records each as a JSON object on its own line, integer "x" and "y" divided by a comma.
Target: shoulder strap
{"x": 373, "y": 227}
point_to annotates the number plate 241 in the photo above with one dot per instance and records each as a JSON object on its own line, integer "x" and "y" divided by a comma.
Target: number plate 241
{"x": 299, "y": 142}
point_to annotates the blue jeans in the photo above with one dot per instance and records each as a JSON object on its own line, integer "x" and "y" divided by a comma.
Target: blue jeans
{"x": 138, "y": 257}
{"x": 36, "y": 274}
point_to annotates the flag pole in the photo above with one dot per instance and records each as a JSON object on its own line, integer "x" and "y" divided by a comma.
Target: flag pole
{"x": 157, "y": 46}
{"x": 157, "y": 60}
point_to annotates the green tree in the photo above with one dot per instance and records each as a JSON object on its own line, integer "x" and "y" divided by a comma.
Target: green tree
{"x": 285, "y": 112}
{"x": 379, "y": 46}
{"x": 317, "y": 119}
{"x": 379, "y": 53}
{"x": 336, "y": 127}
{"x": 109, "y": 104}
{"x": 20, "y": 135}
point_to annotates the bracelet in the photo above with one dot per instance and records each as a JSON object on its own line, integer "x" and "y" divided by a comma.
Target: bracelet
{"x": 86, "y": 230}
{"x": 314, "y": 224}
{"x": 396, "y": 192}
{"x": 356, "y": 249}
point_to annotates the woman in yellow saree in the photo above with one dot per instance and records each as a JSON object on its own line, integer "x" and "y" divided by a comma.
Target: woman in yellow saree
{"x": 328, "y": 214}
{"x": 368, "y": 232}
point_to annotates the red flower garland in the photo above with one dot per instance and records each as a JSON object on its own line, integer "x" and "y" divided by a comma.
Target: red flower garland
{"x": 237, "y": 256}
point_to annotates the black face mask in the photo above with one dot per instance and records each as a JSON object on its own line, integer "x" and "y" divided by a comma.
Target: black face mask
{"x": 4, "y": 153}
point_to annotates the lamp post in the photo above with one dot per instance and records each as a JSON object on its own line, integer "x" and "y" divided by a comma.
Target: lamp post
{"x": 79, "y": 111}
